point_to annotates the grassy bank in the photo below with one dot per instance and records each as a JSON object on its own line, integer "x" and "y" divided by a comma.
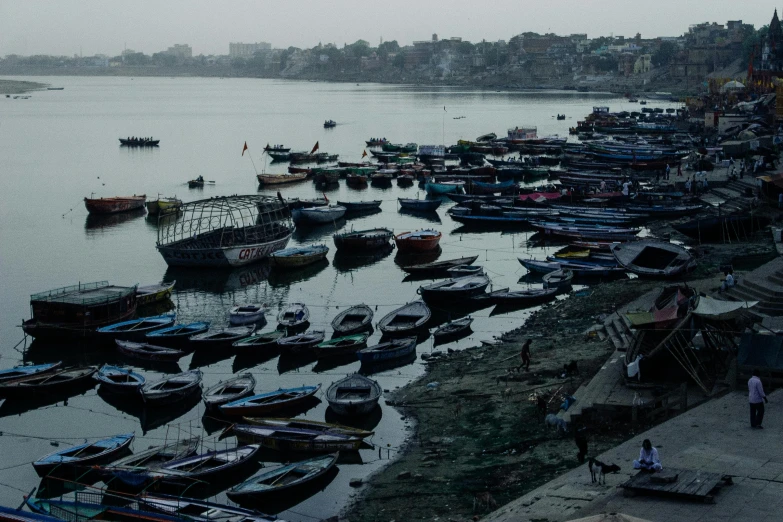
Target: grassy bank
{"x": 18, "y": 87}
{"x": 479, "y": 430}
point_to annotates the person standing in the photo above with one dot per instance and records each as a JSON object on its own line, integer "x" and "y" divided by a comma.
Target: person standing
{"x": 668, "y": 170}
{"x": 525, "y": 355}
{"x": 756, "y": 398}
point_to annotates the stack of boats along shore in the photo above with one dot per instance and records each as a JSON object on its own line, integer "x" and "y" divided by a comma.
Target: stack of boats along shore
{"x": 593, "y": 198}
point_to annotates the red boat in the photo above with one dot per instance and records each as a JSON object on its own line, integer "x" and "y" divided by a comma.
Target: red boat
{"x": 298, "y": 170}
{"x": 115, "y": 204}
{"x": 419, "y": 241}
{"x": 356, "y": 179}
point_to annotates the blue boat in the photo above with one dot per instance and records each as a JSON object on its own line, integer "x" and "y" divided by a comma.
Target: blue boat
{"x": 179, "y": 333}
{"x": 480, "y": 187}
{"x": 422, "y": 205}
{"x": 87, "y": 508}
{"x": 298, "y": 256}
{"x": 396, "y": 349}
{"x": 86, "y": 454}
{"x": 446, "y": 187}
{"x": 18, "y": 515}
{"x": 118, "y": 380}
{"x": 579, "y": 270}
{"x": 268, "y": 402}
{"x": 136, "y": 329}
{"x": 16, "y": 372}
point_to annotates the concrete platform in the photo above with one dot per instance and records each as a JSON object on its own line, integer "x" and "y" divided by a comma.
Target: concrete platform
{"x": 715, "y": 437}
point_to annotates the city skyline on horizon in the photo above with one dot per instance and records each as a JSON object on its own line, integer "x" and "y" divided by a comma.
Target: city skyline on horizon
{"x": 69, "y": 27}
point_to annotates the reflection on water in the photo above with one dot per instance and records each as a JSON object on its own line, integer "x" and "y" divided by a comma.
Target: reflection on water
{"x": 417, "y": 258}
{"x": 365, "y": 422}
{"x": 288, "y": 276}
{"x": 430, "y": 216}
{"x": 307, "y": 233}
{"x": 217, "y": 281}
{"x": 348, "y": 261}
{"x": 383, "y": 366}
{"x": 96, "y": 222}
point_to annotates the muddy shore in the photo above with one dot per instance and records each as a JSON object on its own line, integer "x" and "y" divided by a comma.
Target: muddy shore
{"x": 19, "y": 87}
{"x": 478, "y": 430}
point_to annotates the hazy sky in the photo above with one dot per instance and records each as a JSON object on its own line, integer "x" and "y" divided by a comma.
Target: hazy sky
{"x": 105, "y": 26}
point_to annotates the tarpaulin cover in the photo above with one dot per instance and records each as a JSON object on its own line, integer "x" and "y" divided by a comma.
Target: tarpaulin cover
{"x": 715, "y": 309}
{"x": 658, "y": 316}
{"x": 540, "y": 196}
{"x": 762, "y": 350}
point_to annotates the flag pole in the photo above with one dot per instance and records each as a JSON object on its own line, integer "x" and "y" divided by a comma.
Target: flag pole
{"x": 250, "y": 155}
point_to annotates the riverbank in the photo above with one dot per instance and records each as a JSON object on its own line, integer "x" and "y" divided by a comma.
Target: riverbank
{"x": 19, "y": 87}
{"x": 478, "y": 430}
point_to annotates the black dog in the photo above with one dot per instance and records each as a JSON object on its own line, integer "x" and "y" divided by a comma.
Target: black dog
{"x": 599, "y": 468}
{"x": 571, "y": 368}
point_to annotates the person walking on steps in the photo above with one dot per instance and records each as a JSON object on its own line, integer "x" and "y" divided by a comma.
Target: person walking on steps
{"x": 757, "y": 398}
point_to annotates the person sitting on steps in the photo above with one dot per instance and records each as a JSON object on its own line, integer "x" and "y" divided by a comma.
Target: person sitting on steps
{"x": 648, "y": 458}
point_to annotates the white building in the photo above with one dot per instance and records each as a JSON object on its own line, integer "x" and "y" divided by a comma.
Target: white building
{"x": 247, "y": 50}
{"x": 181, "y": 51}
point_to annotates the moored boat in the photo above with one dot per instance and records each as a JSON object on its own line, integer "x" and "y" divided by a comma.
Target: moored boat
{"x": 317, "y": 215}
{"x": 285, "y": 479}
{"x": 58, "y": 381}
{"x": 9, "y": 374}
{"x": 559, "y": 279}
{"x": 215, "y": 337}
{"x": 247, "y": 313}
{"x": 85, "y": 454}
{"x": 118, "y": 380}
{"x": 115, "y": 204}
{"x": 525, "y": 298}
{"x": 262, "y": 341}
{"x": 363, "y": 239}
{"x": 149, "y": 352}
{"x": 354, "y": 395}
{"x": 290, "y": 439}
{"x": 418, "y": 241}
{"x": 177, "y": 334}
{"x": 452, "y": 329}
{"x": 454, "y": 290}
{"x": 172, "y": 388}
{"x": 438, "y": 267}
{"x": 194, "y": 509}
{"x": 298, "y": 256}
{"x": 293, "y": 316}
{"x": 269, "y": 402}
{"x": 352, "y": 320}
{"x": 445, "y": 187}
{"x": 405, "y": 319}
{"x": 341, "y": 345}
{"x": 149, "y": 294}
{"x": 360, "y": 206}
{"x": 649, "y": 258}
{"x": 464, "y": 271}
{"x": 136, "y": 329}
{"x": 163, "y": 206}
{"x": 280, "y": 179}
{"x": 421, "y": 205}
{"x": 230, "y": 390}
{"x": 389, "y": 350}
{"x": 322, "y": 427}
{"x": 302, "y": 342}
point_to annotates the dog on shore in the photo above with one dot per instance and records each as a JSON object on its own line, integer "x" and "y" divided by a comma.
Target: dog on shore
{"x": 599, "y": 470}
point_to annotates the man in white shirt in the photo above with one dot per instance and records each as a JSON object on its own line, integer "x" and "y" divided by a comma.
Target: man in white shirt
{"x": 648, "y": 458}
{"x": 728, "y": 282}
{"x": 756, "y": 398}
{"x": 625, "y": 188}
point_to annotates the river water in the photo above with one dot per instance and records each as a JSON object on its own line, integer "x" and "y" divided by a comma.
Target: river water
{"x": 59, "y": 146}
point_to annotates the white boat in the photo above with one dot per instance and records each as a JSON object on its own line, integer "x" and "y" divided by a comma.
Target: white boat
{"x": 318, "y": 214}
{"x": 354, "y": 395}
{"x": 247, "y": 313}
{"x": 225, "y": 231}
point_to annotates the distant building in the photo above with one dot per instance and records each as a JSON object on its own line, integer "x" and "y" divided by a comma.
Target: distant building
{"x": 181, "y": 51}
{"x": 772, "y": 52}
{"x": 643, "y": 64}
{"x": 247, "y": 50}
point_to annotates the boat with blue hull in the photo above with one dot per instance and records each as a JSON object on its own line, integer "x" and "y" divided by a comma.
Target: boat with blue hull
{"x": 136, "y": 329}
{"x": 395, "y": 349}
{"x": 118, "y": 380}
{"x": 264, "y": 403}
{"x": 86, "y": 454}
{"x": 17, "y": 372}
{"x": 177, "y": 334}
{"x": 420, "y": 205}
{"x": 283, "y": 480}
{"x": 444, "y": 188}
{"x": 296, "y": 257}
{"x": 480, "y": 187}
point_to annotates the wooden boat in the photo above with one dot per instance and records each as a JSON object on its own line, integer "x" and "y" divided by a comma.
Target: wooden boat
{"x": 445, "y": 187}
{"x": 138, "y": 142}
{"x": 288, "y": 439}
{"x": 86, "y": 454}
{"x": 172, "y": 388}
{"x": 386, "y": 351}
{"x": 193, "y": 509}
{"x": 322, "y": 427}
{"x": 452, "y": 329}
{"x": 356, "y": 179}
{"x": 283, "y": 479}
{"x": 222, "y": 336}
{"x": 179, "y": 333}
{"x": 328, "y": 124}
{"x": 420, "y": 205}
{"x": 115, "y": 204}
{"x": 464, "y": 271}
{"x": 405, "y": 319}
{"x": 341, "y": 345}
{"x": 398, "y": 147}
{"x": 479, "y": 187}
{"x": 354, "y": 395}
{"x": 247, "y": 313}
{"x": 276, "y": 148}
{"x": 207, "y": 467}
{"x": 120, "y": 381}
{"x": 579, "y": 270}
{"x": 89, "y": 507}
{"x": 722, "y": 228}
{"x": 150, "y": 294}
{"x": 149, "y": 352}
{"x": 260, "y": 341}
{"x": 418, "y": 241}
{"x": 558, "y": 279}
{"x": 352, "y": 320}
{"x": 650, "y": 258}
{"x": 306, "y": 203}
{"x": 317, "y": 215}
{"x": 605, "y": 246}
{"x": 50, "y": 383}
{"x": 454, "y": 290}
{"x": 196, "y": 183}
{"x": 294, "y": 315}
{"x": 301, "y": 342}
{"x": 76, "y": 311}
{"x": 163, "y": 206}
{"x": 269, "y": 402}
{"x": 363, "y": 240}
{"x": 525, "y": 298}
{"x": 360, "y": 206}
{"x": 136, "y": 329}
{"x": 280, "y": 179}
{"x": 154, "y": 457}
{"x": 439, "y": 267}
{"x": 231, "y": 390}
{"x": 298, "y": 256}
{"x": 17, "y": 372}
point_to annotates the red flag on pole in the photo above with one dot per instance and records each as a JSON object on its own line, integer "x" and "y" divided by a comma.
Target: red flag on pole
{"x": 244, "y": 149}
{"x": 315, "y": 148}
{"x": 364, "y": 154}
